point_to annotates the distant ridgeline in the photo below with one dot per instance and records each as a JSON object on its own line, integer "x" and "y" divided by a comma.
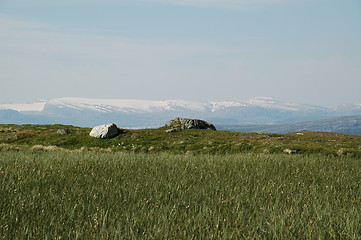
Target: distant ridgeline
{"x": 257, "y": 115}
{"x": 346, "y": 125}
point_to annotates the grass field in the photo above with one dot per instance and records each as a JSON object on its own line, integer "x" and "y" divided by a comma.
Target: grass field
{"x": 87, "y": 195}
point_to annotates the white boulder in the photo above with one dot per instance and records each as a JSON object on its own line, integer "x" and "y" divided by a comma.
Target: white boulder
{"x": 105, "y": 131}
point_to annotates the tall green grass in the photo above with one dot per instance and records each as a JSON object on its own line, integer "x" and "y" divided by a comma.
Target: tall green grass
{"x": 57, "y": 195}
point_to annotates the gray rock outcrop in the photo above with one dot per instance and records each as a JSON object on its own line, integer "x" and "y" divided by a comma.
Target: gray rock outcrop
{"x": 105, "y": 131}
{"x": 63, "y": 131}
{"x": 186, "y": 123}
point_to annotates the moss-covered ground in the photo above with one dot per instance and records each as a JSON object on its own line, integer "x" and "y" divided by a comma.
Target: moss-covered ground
{"x": 184, "y": 141}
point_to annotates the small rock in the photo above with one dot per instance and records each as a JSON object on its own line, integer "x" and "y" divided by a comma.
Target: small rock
{"x": 171, "y": 130}
{"x": 105, "y": 131}
{"x": 63, "y": 131}
{"x": 290, "y": 151}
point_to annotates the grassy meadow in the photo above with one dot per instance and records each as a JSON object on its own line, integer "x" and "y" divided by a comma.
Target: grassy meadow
{"x": 121, "y": 195}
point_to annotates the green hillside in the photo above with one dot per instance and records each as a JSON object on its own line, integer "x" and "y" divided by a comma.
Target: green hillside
{"x": 45, "y": 137}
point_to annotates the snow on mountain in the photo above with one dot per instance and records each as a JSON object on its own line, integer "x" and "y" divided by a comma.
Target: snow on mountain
{"x": 216, "y": 106}
{"x": 134, "y": 113}
{"x": 349, "y": 109}
{"x": 267, "y": 102}
{"x": 125, "y": 105}
{"x": 24, "y": 107}
{"x": 263, "y": 102}
{"x": 133, "y": 105}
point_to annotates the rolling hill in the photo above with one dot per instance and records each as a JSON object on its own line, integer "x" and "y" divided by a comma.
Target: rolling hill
{"x": 346, "y": 125}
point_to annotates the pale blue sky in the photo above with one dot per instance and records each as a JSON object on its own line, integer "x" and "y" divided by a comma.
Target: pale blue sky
{"x": 305, "y": 51}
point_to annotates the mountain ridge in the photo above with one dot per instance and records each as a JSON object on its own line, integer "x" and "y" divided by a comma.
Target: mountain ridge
{"x": 133, "y": 113}
{"x": 117, "y": 104}
{"x": 346, "y": 125}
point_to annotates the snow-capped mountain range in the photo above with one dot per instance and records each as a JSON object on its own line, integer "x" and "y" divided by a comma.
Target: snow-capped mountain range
{"x": 132, "y": 105}
{"x": 146, "y": 113}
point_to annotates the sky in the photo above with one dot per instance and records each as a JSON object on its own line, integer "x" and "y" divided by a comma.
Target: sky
{"x": 302, "y": 51}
